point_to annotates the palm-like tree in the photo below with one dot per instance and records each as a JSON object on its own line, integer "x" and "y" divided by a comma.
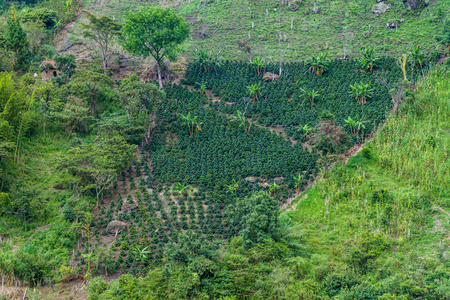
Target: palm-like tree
{"x": 368, "y": 59}
{"x": 208, "y": 61}
{"x": 310, "y": 95}
{"x": 306, "y": 129}
{"x": 180, "y": 187}
{"x": 318, "y": 64}
{"x": 273, "y": 187}
{"x": 243, "y": 122}
{"x": 417, "y": 57}
{"x": 141, "y": 253}
{"x": 355, "y": 125}
{"x": 233, "y": 186}
{"x": 298, "y": 181}
{"x": 90, "y": 257}
{"x": 361, "y": 91}
{"x": 191, "y": 122}
{"x": 258, "y": 64}
{"x": 204, "y": 58}
{"x": 202, "y": 87}
{"x": 253, "y": 91}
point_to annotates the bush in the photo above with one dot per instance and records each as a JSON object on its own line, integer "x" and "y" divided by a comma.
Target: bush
{"x": 45, "y": 15}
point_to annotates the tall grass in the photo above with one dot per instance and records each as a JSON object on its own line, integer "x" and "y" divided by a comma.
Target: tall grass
{"x": 414, "y": 143}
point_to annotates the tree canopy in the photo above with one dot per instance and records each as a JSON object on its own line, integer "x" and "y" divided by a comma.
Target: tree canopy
{"x": 156, "y": 32}
{"x": 102, "y": 30}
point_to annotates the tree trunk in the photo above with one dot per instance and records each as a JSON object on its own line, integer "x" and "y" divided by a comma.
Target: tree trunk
{"x": 159, "y": 76}
{"x": 104, "y": 65}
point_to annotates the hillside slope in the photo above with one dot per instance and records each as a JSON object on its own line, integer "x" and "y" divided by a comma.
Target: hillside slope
{"x": 371, "y": 229}
{"x": 241, "y": 29}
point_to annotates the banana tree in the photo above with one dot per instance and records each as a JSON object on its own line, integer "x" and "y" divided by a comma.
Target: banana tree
{"x": 258, "y": 64}
{"x": 141, "y": 253}
{"x": 180, "y": 187}
{"x": 361, "y": 91}
{"x": 306, "y": 129}
{"x": 273, "y": 187}
{"x": 207, "y": 60}
{"x": 310, "y": 95}
{"x": 298, "y": 182}
{"x": 58, "y": 25}
{"x": 191, "y": 122}
{"x": 202, "y": 87}
{"x": 368, "y": 59}
{"x": 233, "y": 186}
{"x": 253, "y": 91}
{"x": 90, "y": 257}
{"x": 243, "y": 122}
{"x": 355, "y": 125}
{"x": 417, "y": 57}
{"x": 319, "y": 64}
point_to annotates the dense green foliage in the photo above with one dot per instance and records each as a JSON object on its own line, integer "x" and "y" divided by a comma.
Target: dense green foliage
{"x": 155, "y": 32}
{"x": 369, "y": 232}
{"x": 222, "y": 151}
{"x": 232, "y": 184}
{"x": 282, "y": 101}
{"x": 16, "y": 38}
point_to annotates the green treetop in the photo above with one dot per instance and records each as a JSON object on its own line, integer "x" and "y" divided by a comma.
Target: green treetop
{"x": 15, "y": 37}
{"x": 155, "y": 32}
{"x": 102, "y": 30}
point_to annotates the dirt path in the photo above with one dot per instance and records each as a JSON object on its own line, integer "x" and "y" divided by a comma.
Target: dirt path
{"x": 437, "y": 207}
{"x": 59, "y": 39}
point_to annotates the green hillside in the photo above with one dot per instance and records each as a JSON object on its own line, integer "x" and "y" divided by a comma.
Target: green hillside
{"x": 369, "y": 229}
{"x": 271, "y": 30}
{"x": 284, "y": 152}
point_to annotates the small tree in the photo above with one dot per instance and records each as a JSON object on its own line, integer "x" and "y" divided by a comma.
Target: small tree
{"x": 368, "y": 59}
{"x": 155, "y": 32}
{"x": 16, "y": 38}
{"x": 361, "y": 91}
{"x": 89, "y": 85}
{"x": 73, "y": 113}
{"x": 310, "y": 95}
{"x": 298, "y": 181}
{"x": 102, "y": 30}
{"x": 355, "y": 125}
{"x": 306, "y": 129}
{"x": 243, "y": 122}
{"x": 318, "y": 64}
{"x": 253, "y": 91}
{"x": 417, "y": 57}
{"x": 258, "y": 64}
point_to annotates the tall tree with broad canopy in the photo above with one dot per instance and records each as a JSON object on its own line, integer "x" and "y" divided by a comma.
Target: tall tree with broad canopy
{"x": 156, "y": 32}
{"x": 102, "y": 30}
{"x": 97, "y": 164}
